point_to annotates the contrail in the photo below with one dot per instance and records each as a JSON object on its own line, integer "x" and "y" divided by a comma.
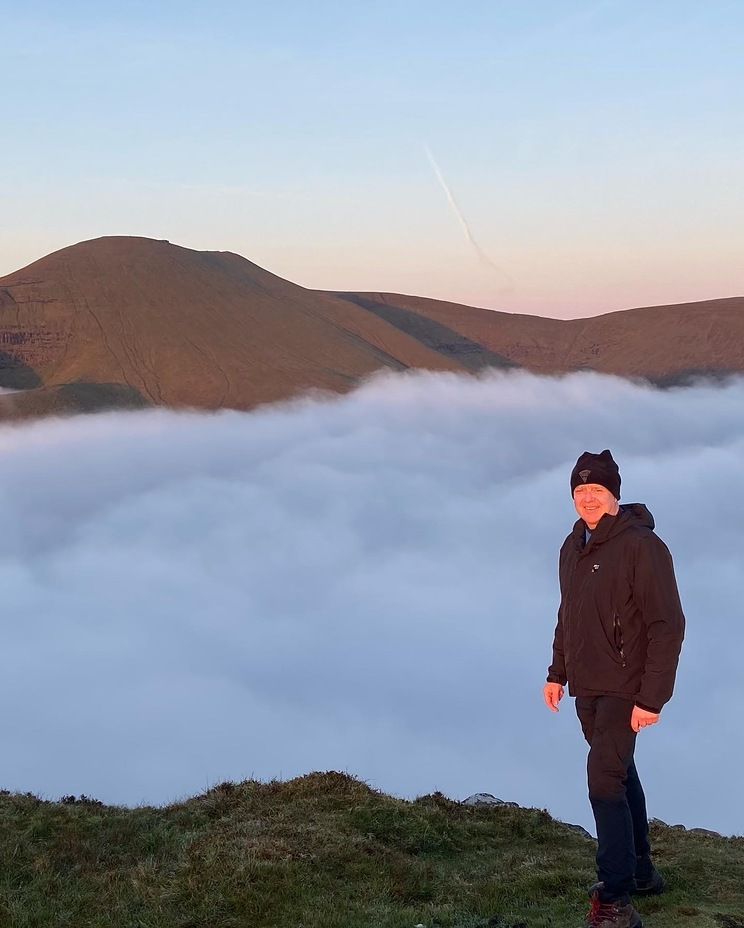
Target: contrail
{"x": 482, "y": 256}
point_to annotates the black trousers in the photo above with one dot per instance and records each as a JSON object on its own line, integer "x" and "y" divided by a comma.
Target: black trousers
{"x": 615, "y": 792}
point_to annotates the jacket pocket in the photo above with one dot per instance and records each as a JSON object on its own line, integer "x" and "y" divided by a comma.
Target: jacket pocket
{"x": 617, "y": 630}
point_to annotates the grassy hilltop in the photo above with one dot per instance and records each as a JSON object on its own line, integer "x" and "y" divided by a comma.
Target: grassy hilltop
{"x": 326, "y": 851}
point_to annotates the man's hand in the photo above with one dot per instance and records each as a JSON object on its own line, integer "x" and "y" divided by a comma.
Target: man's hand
{"x": 641, "y": 718}
{"x": 552, "y": 694}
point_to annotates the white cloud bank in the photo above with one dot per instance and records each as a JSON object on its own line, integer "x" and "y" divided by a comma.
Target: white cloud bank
{"x": 366, "y": 583}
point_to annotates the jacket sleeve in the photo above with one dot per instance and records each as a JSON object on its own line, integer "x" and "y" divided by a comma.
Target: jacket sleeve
{"x": 656, "y": 595}
{"x": 557, "y": 669}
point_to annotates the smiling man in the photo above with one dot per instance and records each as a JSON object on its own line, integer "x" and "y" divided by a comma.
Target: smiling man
{"x": 617, "y": 644}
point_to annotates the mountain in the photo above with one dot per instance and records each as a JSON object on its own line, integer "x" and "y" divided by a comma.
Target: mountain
{"x": 664, "y": 344}
{"x": 126, "y": 322}
{"x": 122, "y": 321}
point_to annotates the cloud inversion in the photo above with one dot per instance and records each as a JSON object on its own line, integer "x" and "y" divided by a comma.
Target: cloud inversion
{"x": 366, "y": 583}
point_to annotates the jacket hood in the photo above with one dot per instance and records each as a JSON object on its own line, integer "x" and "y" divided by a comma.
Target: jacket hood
{"x": 630, "y": 515}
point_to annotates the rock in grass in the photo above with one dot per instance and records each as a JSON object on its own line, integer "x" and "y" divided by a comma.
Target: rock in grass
{"x": 693, "y": 831}
{"x": 483, "y": 799}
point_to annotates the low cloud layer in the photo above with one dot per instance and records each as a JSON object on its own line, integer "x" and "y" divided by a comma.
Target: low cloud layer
{"x": 365, "y": 583}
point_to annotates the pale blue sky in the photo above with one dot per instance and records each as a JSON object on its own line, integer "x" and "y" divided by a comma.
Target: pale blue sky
{"x": 594, "y": 148}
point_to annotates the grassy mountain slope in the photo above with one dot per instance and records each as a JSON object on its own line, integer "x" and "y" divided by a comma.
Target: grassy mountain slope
{"x": 179, "y": 327}
{"x": 325, "y": 851}
{"x": 126, "y": 322}
{"x": 666, "y": 344}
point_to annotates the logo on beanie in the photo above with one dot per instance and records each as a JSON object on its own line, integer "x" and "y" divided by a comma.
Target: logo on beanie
{"x": 584, "y": 474}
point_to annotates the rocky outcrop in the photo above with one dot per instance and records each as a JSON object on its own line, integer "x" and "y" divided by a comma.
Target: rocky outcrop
{"x": 488, "y": 799}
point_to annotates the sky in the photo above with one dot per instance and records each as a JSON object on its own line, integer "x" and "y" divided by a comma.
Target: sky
{"x": 365, "y": 583}
{"x": 592, "y": 148}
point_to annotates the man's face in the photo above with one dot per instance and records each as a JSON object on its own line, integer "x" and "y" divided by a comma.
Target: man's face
{"x": 592, "y": 501}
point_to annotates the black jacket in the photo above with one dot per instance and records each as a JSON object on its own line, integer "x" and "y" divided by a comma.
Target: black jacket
{"x": 620, "y": 622}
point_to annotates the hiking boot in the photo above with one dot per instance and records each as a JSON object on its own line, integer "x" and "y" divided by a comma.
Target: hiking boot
{"x": 617, "y": 914}
{"x": 648, "y": 880}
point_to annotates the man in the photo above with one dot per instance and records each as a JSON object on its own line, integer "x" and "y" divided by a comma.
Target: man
{"x": 617, "y": 642}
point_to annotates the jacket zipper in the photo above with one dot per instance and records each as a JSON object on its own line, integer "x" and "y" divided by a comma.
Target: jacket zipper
{"x": 618, "y": 635}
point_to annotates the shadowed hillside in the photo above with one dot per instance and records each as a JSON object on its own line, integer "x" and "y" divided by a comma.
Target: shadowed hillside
{"x": 665, "y": 344}
{"x": 326, "y": 851}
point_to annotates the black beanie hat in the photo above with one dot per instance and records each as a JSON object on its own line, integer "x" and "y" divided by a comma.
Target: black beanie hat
{"x": 597, "y": 468}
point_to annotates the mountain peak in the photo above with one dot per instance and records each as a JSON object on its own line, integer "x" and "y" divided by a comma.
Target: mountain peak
{"x": 130, "y": 321}
{"x": 180, "y": 327}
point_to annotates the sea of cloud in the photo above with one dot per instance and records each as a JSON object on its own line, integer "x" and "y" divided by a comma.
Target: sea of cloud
{"x": 364, "y": 583}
